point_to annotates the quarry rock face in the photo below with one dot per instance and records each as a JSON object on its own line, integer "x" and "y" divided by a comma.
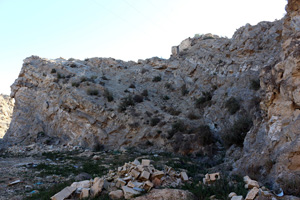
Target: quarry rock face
{"x": 177, "y": 104}
{"x": 6, "y": 110}
{"x": 274, "y": 148}
{"x": 212, "y": 92}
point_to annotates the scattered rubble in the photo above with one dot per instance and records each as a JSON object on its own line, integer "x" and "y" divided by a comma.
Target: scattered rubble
{"x": 129, "y": 180}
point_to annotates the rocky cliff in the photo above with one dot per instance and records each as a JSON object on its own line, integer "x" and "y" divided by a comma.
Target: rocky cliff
{"x": 6, "y": 110}
{"x": 240, "y": 93}
{"x": 274, "y": 149}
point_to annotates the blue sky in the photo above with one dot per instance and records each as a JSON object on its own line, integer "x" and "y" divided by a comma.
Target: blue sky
{"x": 122, "y": 29}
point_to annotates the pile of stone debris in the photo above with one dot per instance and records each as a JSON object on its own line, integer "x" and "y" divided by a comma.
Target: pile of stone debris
{"x": 128, "y": 181}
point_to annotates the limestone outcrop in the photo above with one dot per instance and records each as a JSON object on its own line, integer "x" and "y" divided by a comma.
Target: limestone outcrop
{"x": 178, "y": 104}
{"x": 6, "y": 110}
{"x": 274, "y": 148}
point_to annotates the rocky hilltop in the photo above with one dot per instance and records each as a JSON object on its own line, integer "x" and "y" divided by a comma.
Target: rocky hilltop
{"x": 6, "y": 110}
{"x": 240, "y": 94}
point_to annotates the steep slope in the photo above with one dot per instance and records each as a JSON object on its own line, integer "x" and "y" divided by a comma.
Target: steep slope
{"x": 274, "y": 149}
{"x": 184, "y": 104}
{"x": 6, "y": 110}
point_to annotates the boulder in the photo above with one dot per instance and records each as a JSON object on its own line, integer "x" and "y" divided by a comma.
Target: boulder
{"x": 117, "y": 194}
{"x": 97, "y": 186}
{"x": 167, "y": 194}
{"x": 252, "y": 193}
{"x": 65, "y": 193}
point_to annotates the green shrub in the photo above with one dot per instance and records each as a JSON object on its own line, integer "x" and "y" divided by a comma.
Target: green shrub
{"x": 173, "y": 111}
{"x": 59, "y": 76}
{"x": 192, "y": 116}
{"x": 125, "y": 102}
{"x": 75, "y": 84}
{"x": 131, "y": 86}
{"x": 92, "y": 92}
{"x": 53, "y": 71}
{"x": 165, "y": 97}
{"x": 168, "y": 86}
{"x": 104, "y": 78}
{"x": 184, "y": 90}
{"x": 138, "y": 98}
{"x": 154, "y": 121}
{"x": 204, "y": 135}
{"x": 255, "y": 84}
{"x": 83, "y": 79}
{"x": 145, "y": 93}
{"x": 202, "y": 101}
{"x": 237, "y": 133}
{"x": 232, "y": 105}
{"x": 178, "y": 126}
{"x": 108, "y": 95}
{"x": 156, "y": 79}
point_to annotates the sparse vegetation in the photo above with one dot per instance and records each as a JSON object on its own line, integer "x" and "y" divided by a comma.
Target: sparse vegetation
{"x": 173, "y": 111}
{"x": 156, "y": 79}
{"x": 145, "y": 93}
{"x": 131, "y": 85}
{"x": 59, "y": 75}
{"x": 237, "y": 133}
{"x": 53, "y": 71}
{"x": 255, "y": 84}
{"x": 75, "y": 84}
{"x": 232, "y": 105}
{"x": 290, "y": 186}
{"x": 154, "y": 121}
{"x": 203, "y": 100}
{"x": 138, "y": 98}
{"x": 192, "y": 116}
{"x": 92, "y": 92}
{"x": 178, "y": 126}
{"x": 108, "y": 95}
{"x": 184, "y": 90}
{"x": 165, "y": 97}
{"x": 125, "y": 102}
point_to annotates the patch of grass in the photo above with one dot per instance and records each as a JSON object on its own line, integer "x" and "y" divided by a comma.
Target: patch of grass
{"x": 94, "y": 169}
{"x": 59, "y": 75}
{"x": 220, "y": 188}
{"x": 46, "y": 193}
{"x": 108, "y": 95}
{"x": 92, "y": 92}
{"x": 255, "y": 84}
{"x": 63, "y": 170}
{"x": 237, "y": 133}
{"x": 125, "y": 102}
{"x": 203, "y": 100}
{"x": 232, "y": 105}
{"x": 156, "y": 79}
{"x": 173, "y": 111}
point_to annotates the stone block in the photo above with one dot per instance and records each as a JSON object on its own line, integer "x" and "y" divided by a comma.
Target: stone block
{"x": 145, "y": 162}
{"x": 232, "y": 194}
{"x": 135, "y": 173}
{"x": 97, "y": 186}
{"x": 118, "y": 194}
{"x": 156, "y": 182}
{"x": 136, "y": 162}
{"x": 144, "y": 176}
{"x": 148, "y": 185}
{"x": 130, "y": 184}
{"x": 120, "y": 183}
{"x": 237, "y": 198}
{"x": 184, "y": 176}
{"x": 65, "y": 193}
{"x": 252, "y": 194}
{"x": 85, "y": 193}
{"x": 129, "y": 192}
{"x": 158, "y": 174}
{"x": 82, "y": 184}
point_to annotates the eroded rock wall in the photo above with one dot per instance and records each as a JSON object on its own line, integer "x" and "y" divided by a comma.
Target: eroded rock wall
{"x": 6, "y": 110}
{"x": 273, "y": 150}
{"x": 70, "y": 101}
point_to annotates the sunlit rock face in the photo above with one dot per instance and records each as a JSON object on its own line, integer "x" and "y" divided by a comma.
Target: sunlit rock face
{"x": 6, "y": 110}
{"x": 274, "y": 149}
{"x": 178, "y": 104}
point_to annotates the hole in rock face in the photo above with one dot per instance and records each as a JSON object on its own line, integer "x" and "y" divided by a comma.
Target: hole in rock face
{"x": 216, "y": 176}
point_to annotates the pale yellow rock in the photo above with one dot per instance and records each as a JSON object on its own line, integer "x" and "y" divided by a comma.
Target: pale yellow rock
{"x": 144, "y": 176}
{"x": 65, "y": 193}
{"x": 129, "y": 192}
{"x": 237, "y": 198}
{"x": 135, "y": 173}
{"x": 130, "y": 184}
{"x": 120, "y": 183}
{"x": 97, "y": 186}
{"x": 82, "y": 184}
{"x": 117, "y": 194}
{"x": 85, "y": 193}
{"x": 252, "y": 194}
{"x": 148, "y": 185}
{"x": 158, "y": 174}
{"x": 184, "y": 176}
{"x": 145, "y": 162}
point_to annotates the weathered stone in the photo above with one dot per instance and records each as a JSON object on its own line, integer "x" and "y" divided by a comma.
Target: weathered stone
{"x": 250, "y": 183}
{"x": 97, "y": 186}
{"x": 129, "y": 192}
{"x": 6, "y": 110}
{"x": 118, "y": 194}
{"x": 135, "y": 173}
{"x": 130, "y": 184}
{"x": 136, "y": 162}
{"x": 156, "y": 182}
{"x": 144, "y": 176}
{"x": 167, "y": 194}
{"x": 252, "y": 194}
{"x": 145, "y": 162}
{"x": 82, "y": 184}
{"x": 237, "y": 198}
{"x": 148, "y": 185}
{"x": 65, "y": 193}
{"x": 157, "y": 174}
{"x": 232, "y": 194}
{"x": 120, "y": 183}
{"x": 85, "y": 193}
{"x": 184, "y": 176}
